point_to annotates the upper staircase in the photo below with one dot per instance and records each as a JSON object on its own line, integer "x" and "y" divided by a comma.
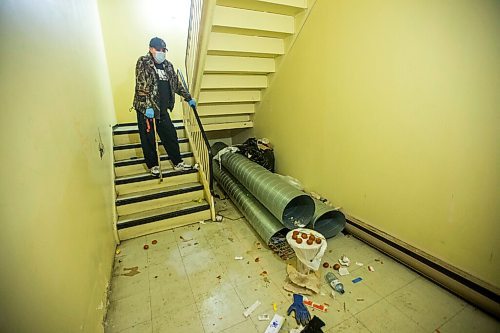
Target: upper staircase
{"x": 236, "y": 44}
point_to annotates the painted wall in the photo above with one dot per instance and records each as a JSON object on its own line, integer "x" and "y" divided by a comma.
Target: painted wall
{"x": 128, "y": 26}
{"x": 56, "y": 242}
{"x": 392, "y": 110}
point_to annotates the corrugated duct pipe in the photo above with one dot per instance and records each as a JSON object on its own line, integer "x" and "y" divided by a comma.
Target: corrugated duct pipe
{"x": 326, "y": 220}
{"x": 289, "y": 205}
{"x": 263, "y": 222}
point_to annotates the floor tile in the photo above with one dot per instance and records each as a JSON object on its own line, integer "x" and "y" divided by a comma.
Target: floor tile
{"x": 220, "y": 310}
{"x": 471, "y": 320}
{"x": 383, "y": 317}
{"x": 127, "y": 312}
{"x": 351, "y": 325}
{"x": 185, "y": 319}
{"x": 245, "y": 327}
{"x": 164, "y": 237}
{"x": 170, "y": 296}
{"x": 426, "y": 303}
{"x": 389, "y": 276}
{"x": 145, "y": 327}
{"x": 123, "y": 286}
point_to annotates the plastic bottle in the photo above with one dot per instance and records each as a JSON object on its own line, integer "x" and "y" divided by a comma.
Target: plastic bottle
{"x": 334, "y": 282}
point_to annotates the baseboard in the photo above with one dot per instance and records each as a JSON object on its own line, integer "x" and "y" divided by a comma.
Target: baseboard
{"x": 470, "y": 288}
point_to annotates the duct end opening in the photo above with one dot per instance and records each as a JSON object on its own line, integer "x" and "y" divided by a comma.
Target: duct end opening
{"x": 330, "y": 223}
{"x": 298, "y": 212}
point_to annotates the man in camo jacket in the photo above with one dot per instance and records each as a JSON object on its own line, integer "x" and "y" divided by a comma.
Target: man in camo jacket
{"x": 156, "y": 84}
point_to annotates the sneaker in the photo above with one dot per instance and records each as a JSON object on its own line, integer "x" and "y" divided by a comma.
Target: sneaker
{"x": 183, "y": 166}
{"x": 155, "y": 171}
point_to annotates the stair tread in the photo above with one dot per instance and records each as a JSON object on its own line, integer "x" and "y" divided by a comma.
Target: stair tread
{"x": 181, "y": 208}
{"x": 132, "y": 128}
{"x": 138, "y": 144}
{"x": 137, "y": 177}
{"x": 171, "y": 188}
{"x": 140, "y": 160}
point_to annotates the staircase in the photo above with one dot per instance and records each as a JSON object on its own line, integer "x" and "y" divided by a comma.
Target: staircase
{"x": 236, "y": 44}
{"x": 143, "y": 204}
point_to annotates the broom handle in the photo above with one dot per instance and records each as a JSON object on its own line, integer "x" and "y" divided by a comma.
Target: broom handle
{"x": 157, "y": 150}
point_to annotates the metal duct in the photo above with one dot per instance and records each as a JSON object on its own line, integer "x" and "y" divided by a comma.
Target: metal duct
{"x": 289, "y": 205}
{"x": 263, "y": 222}
{"x": 327, "y": 220}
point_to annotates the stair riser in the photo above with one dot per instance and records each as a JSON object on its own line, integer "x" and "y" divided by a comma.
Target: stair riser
{"x": 284, "y": 7}
{"x": 162, "y": 225}
{"x": 122, "y": 139}
{"x": 266, "y": 24}
{"x": 140, "y": 168}
{"x": 126, "y": 154}
{"x": 154, "y": 183}
{"x": 158, "y": 203}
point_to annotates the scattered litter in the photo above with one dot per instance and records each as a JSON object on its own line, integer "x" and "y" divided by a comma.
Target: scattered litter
{"x": 371, "y": 269}
{"x": 359, "y": 263}
{"x": 238, "y": 258}
{"x": 118, "y": 251}
{"x": 344, "y": 261}
{"x": 356, "y": 280}
{"x": 154, "y": 241}
{"x": 326, "y": 265}
{"x": 132, "y": 271}
{"x": 343, "y": 271}
{"x": 219, "y": 277}
{"x": 275, "y": 307}
{"x": 314, "y": 305}
{"x": 251, "y": 309}
{"x": 218, "y": 218}
{"x": 257, "y": 259}
{"x": 146, "y": 246}
{"x": 263, "y": 317}
{"x": 184, "y": 239}
{"x": 360, "y": 299}
{"x": 275, "y": 324}
{"x": 281, "y": 247}
{"x": 336, "y": 267}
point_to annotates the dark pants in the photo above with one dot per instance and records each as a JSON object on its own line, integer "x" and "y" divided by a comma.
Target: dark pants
{"x": 168, "y": 136}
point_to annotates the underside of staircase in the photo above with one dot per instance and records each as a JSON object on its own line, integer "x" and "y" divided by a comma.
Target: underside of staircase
{"x": 143, "y": 204}
{"x": 245, "y": 39}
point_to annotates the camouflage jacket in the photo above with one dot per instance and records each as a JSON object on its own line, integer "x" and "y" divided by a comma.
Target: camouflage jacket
{"x": 146, "y": 87}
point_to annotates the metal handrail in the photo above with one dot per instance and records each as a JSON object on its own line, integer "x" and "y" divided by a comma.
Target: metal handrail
{"x": 199, "y": 27}
{"x": 203, "y": 134}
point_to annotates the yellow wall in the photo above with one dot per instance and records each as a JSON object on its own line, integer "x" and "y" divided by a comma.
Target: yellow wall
{"x": 127, "y": 28}
{"x": 56, "y": 238}
{"x": 392, "y": 110}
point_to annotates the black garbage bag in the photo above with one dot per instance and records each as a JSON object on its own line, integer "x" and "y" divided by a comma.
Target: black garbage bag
{"x": 258, "y": 152}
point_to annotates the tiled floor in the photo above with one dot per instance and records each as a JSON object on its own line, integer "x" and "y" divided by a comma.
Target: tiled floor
{"x": 189, "y": 282}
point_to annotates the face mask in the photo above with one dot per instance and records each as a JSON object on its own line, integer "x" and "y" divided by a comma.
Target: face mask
{"x": 160, "y": 57}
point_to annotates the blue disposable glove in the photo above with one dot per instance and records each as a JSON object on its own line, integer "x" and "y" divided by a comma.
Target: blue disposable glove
{"x": 150, "y": 113}
{"x": 302, "y": 315}
{"x": 192, "y": 103}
